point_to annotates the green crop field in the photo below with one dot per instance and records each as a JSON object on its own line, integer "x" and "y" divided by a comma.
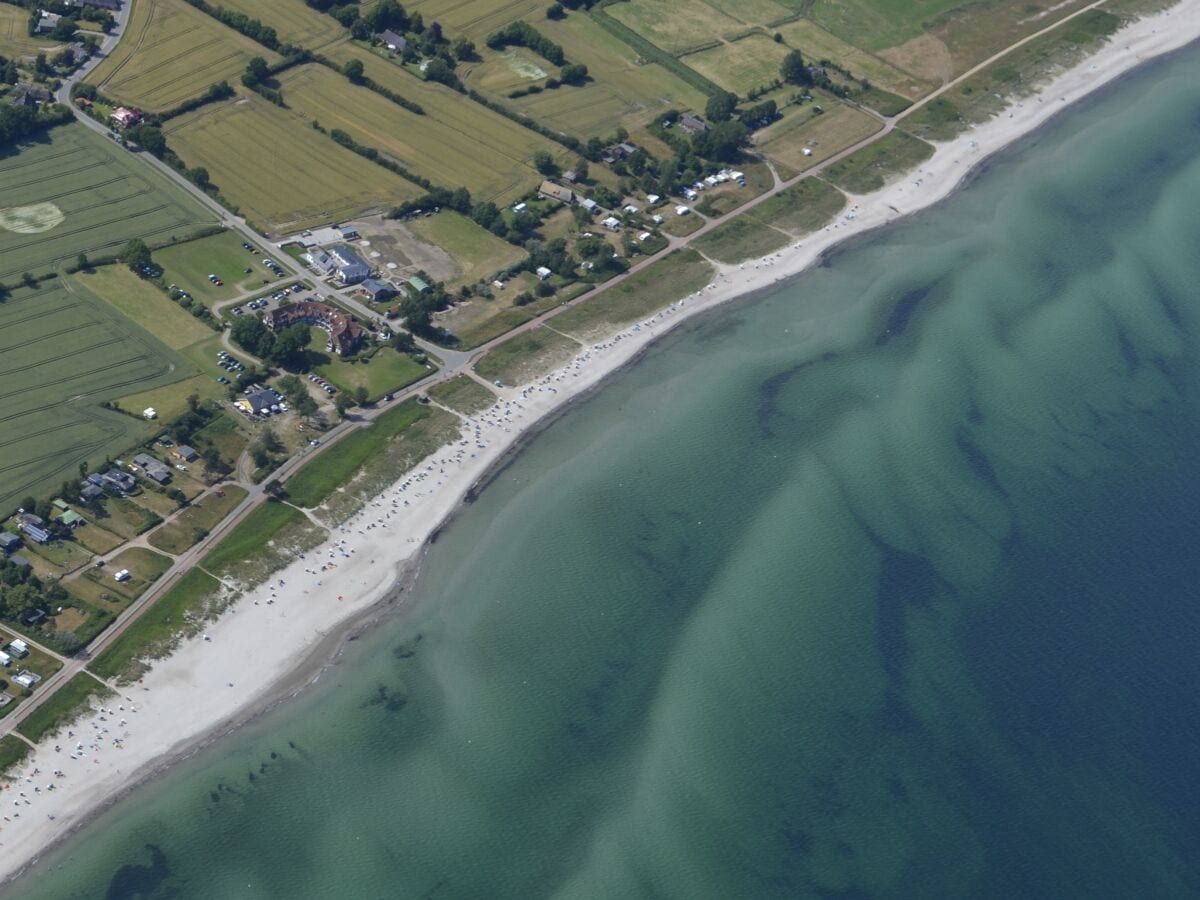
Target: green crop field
{"x": 675, "y": 29}
{"x": 170, "y": 53}
{"x": 74, "y": 191}
{"x": 294, "y": 22}
{"x": 64, "y": 350}
{"x": 477, "y": 18}
{"x": 456, "y": 143}
{"x": 281, "y": 173}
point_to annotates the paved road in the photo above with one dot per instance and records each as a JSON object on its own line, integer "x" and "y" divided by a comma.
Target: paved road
{"x": 453, "y": 362}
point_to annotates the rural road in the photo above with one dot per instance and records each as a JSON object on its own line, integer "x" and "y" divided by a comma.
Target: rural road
{"x": 453, "y": 362}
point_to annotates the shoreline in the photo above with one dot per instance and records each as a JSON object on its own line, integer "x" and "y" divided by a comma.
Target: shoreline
{"x": 183, "y": 704}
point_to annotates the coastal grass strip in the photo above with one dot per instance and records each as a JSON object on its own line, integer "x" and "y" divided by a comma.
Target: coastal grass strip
{"x": 340, "y": 463}
{"x": 64, "y": 706}
{"x": 739, "y": 239}
{"x": 249, "y": 538}
{"x": 807, "y": 206}
{"x": 463, "y": 394}
{"x": 158, "y": 629}
{"x": 12, "y": 751}
{"x": 527, "y": 356}
{"x": 875, "y": 164}
{"x": 644, "y": 293}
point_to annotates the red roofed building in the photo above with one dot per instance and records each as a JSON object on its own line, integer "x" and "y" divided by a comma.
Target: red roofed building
{"x": 344, "y": 333}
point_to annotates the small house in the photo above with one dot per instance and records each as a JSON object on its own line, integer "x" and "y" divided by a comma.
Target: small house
{"x": 657, "y": 220}
{"x": 90, "y": 492}
{"x": 124, "y": 117}
{"x": 9, "y": 541}
{"x": 46, "y": 23}
{"x": 118, "y": 482}
{"x": 70, "y": 518}
{"x": 395, "y": 43}
{"x": 321, "y": 261}
{"x": 185, "y": 453}
{"x": 552, "y": 191}
{"x": 155, "y": 469}
{"x": 692, "y": 124}
{"x": 31, "y": 618}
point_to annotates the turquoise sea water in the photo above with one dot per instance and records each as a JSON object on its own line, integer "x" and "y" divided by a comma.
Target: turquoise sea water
{"x": 884, "y": 585}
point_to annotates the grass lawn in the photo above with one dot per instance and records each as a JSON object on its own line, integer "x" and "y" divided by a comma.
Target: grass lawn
{"x": 73, "y": 191}
{"x": 874, "y": 165}
{"x": 145, "y": 567}
{"x": 824, "y": 134}
{"x": 97, "y": 539}
{"x": 463, "y": 394}
{"x": 249, "y": 537}
{"x": 155, "y": 632}
{"x": 67, "y": 704}
{"x": 816, "y": 43}
{"x": 125, "y": 517}
{"x": 189, "y": 265}
{"x": 195, "y": 522}
{"x": 13, "y": 750}
{"x": 877, "y": 24}
{"x": 805, "y": 207}
{"x": 739, "y": 239}
{"x": 337, "y": 465}
{"x": 64, "y": 556}
{"x": 386, "y": 370}
{"x": 681, "y": 226}
{"x": 740, "y": 66}
{"x": 661, "y": 283}
{"x": 477, "y": 251}
{"x": 725, "y": 198}
{"x": 228, "y": 140}
{"x": 479, "y": 320}
{"x": 37, "y": 662}
{"x": 527, "y": 356}
{"x": 15, "y": 40}
{"x": 673, "y": 29}
{"x": 171, "y": 52}
{"x": 143, "y": 302}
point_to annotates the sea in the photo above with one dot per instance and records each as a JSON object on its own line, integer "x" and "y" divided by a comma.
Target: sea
{"x": 884, "y": 584}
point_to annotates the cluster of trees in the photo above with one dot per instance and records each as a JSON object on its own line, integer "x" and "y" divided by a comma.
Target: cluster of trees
{"x": 240, "y": 22}
{"x": 723, "y": 106}
{"x": 184, "y": 431}
{"x": 21, "y": 589}
{"x": 287, "y": 347}
{"x": 522, "y": 34}
{"x": 793, "y": 69}
{"x": 297, "y": 395}
{"x": 16, "y": 122}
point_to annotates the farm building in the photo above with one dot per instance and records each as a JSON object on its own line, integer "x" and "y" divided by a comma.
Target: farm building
{"x": 66, "y": 515}
{"x": 91, "y": 492}
{"x": 419, "y": 285}
{"x": 378, "y": 290}
{"x": 34, "y": 529}
{"x": 692, "y": 124}
{"x": 552, "y": 191}
{"x": 9, "y": 541}
{"x": 154, "y": 469}
{"x": 345, "y": 334}
{"x": 186, "y": 453}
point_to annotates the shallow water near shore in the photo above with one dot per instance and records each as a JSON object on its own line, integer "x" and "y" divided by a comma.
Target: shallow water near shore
{"x": 882, "y": 585}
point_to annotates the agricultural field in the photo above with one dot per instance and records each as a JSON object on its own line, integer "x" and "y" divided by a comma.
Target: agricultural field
{"x": 623, "y": 89}
{"x": 277, "y": 170}
{"x": 814, "y": 42}
{"x": 73, "y": 191}
{"x": 457, "y": 142}
{"x": 742, "y": 65}
{"x": 679, "y": 30}
{"x": 64, "y": 350}
{"x": 293, "y": 21}
{"x": 15, "y": 41}
{"x": 170, "y": 53}
{"x": 477, "y": 18}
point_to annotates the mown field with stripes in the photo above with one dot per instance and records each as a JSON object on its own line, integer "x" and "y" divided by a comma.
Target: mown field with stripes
{"x": 75, "y": 191}
{"x": 63, "y": 351}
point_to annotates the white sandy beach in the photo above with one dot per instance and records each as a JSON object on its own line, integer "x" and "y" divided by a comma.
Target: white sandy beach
{"x": 212, "y": 681}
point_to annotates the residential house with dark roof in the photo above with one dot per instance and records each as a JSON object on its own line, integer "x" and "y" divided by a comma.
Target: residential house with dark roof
{"x": 155, "y": 469}
{"x": 9, "y": 541}
{"x": 552, "y": 191}
{"x": 692, "y": 124}
{"x": 396, "y": 43}
{"x": 186, "y": 453}
{"x": 378, "y": 290}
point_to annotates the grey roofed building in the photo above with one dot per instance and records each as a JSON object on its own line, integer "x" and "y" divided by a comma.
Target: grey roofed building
{"x": 19, "y": 560}
{"x": 48, "y": 22}
{"x": 29, "y": 95}
{"x": 552, "y": 191}
{"x": 692, "y": 124}
{"x": 378, "y": 290}
{"x": 186, "y": 453}
{"x": 9, "y": 541}
{"x": 154, "y": 468}
{"x": 260, "y": 399}
{"x": 350, "y": 268}
{"x": 321, "y": 261}
{"x": 91, "y": 492}
{"x": 118, "y": 481}
{"x": 394, "y": 42}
